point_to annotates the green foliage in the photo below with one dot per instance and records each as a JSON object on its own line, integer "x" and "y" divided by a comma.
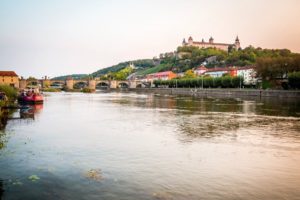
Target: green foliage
{"x": 266, "y": 84}
{"x": 193, "y": 56}
{"x": 142, "y": 64}
{"x": 226, "y": 82}
{"x": 123, "y": 74}
{"x": 189, "y": 74}
{"x": 271, "y": 62}
{"x": 237, "y": 81}
{"x": 277, "y": 67}
{"x": 158, "y": 68}
{"x": 9, "y": 91}
{"x": 31, "y": 78}
{"x": 294, "y": 80}
{"x": 208, "y": 82}
{"x": 87, "y": 90}
{"x": 74, "y": 76}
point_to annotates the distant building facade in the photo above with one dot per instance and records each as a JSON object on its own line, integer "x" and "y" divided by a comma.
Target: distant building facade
{"x": 200, "y": 70}
{"x": 167, "y": 75}
{"x": 9, "y": 78}
{"x": 212, "y": 44}
{"x": 216, "y": 72}
{"x": 248, "y": 73}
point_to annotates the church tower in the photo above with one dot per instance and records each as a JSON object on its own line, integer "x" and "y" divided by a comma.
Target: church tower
{"x": 211, "y": 40}
{"x": 237, "y": 43}
{"x": 183, "y": 42}
{"x": 190, "y": 40}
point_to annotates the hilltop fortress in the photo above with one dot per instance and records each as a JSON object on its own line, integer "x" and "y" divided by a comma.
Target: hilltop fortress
{"x": 211, "y": 43}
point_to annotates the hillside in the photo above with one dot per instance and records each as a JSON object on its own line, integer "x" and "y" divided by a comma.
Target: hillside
{"x": 74, "y": 76}
{"x": 188, "y": 57}
{"x": 139, "y": 64}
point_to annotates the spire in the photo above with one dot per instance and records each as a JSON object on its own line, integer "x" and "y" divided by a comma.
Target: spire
{"x": 190, "y": 38}
{"x": 202, "y": 40}
{"x": 211, "y": 40}
{"x": 237, "y": 43}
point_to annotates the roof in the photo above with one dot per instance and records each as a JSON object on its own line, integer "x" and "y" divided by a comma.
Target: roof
{"x": 162, "y": 73}
{"x": 8, "y": 73}
{"x": 219, "y": 69}
{"x": 221, "y": 44}
{"x": 201, "y": 68}
{"x": 246, "y": 67}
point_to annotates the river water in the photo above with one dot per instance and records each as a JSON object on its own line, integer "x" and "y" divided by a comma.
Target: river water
{"x": 146, "y": 146}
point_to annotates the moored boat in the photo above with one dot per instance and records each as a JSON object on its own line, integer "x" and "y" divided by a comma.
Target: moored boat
{"x": 31, "y": 97}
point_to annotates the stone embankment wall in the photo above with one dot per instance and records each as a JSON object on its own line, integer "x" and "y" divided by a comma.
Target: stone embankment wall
{"x": 222, "y": 92}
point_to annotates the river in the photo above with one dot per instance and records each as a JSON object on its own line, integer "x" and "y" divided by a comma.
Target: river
{"x": 146, "y": 146}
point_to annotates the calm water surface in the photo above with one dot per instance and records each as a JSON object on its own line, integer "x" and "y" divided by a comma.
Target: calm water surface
{"x": 145, "y": 146}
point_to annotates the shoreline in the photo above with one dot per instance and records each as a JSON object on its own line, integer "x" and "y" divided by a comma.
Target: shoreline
{"x": 199, "y": 92}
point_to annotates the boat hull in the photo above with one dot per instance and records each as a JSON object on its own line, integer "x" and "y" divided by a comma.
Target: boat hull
{"x": 36, "y": 99}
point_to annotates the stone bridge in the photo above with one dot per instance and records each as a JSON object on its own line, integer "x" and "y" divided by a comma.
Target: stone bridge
{"x": 79, "y": 84}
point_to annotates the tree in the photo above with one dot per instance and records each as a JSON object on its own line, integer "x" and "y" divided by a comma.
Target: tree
{"x": 189, "y": 74}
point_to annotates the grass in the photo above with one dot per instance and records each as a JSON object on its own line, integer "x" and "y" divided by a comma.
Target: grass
{"x": 151, "y": 70}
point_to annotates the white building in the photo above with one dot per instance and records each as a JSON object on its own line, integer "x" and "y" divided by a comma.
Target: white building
{"x": 249, "y": 75}
{"x": 200, "y": 70}
{"x": 216, "y": 72}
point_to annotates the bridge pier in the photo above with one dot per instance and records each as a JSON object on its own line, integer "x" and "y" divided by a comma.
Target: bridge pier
{"x": 113, "y": 84}
{"x": 70, "y": 83}
{"x": 92, "y": 84}
{"x": 46, "y": 83}
{"x": 132, "y": 84}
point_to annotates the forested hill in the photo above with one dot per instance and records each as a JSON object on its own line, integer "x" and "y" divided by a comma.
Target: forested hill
{"x": 189, "y": 57}
{"x": 139, "y": 64}
{"x": 74, "y": 76}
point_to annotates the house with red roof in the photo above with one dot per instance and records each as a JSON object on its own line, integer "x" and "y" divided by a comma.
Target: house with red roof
{"x": 9, "y": 78}
{"x": 167, "y": 75}
{"x": 200, "y": 70}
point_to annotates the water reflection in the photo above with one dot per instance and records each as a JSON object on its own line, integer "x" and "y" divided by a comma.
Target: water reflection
{"x": 251, "y": 105}
{"x": 205, "y": 118}
{"x": 30, "y": 110}
{"x": 1, "y": 190}
{"x": 145, "y": 146}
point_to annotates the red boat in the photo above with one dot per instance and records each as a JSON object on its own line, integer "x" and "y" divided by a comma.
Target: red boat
{"x": 31, "y": 99}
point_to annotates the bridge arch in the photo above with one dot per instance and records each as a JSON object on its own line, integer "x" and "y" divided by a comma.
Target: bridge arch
{"x": 32, "y": 83}
{"x": 57, "y": 84}
{"x": 139, "y": 85}
{"x": 123, "y": 85}
{"x": 102, "y": 85}
{"x": 80, "y": 85}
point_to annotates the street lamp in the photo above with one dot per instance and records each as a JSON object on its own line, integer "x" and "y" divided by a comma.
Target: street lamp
{"x": 202, "y": 82}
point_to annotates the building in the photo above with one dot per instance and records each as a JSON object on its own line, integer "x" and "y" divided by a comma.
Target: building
{"x": 248, "y": 73}
{"x": 167, "y": 75}
{"x": 217, "y": 72}
{"x": 212, "y": 44}
{"x": 200, "y": 70}
{"x": 9, "y": 78}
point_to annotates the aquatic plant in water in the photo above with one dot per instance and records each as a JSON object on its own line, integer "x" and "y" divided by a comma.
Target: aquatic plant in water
{"x": 94, "y": 174}
{"x": 34, "y": 178}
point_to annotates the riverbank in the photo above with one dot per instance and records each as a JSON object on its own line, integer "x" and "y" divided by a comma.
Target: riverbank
{"x": 221, "y": 92}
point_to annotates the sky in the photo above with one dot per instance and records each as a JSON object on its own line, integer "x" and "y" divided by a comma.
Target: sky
{"x": 60, "y": 37}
